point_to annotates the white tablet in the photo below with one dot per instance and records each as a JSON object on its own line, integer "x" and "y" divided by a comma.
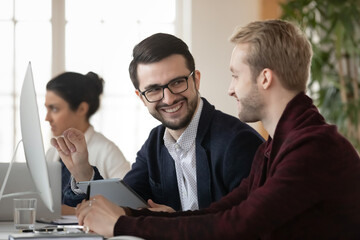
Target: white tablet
{"x": 116, "y": 191}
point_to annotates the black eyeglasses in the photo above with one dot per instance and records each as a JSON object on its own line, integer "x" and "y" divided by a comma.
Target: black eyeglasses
{"x": 175, "y": 86}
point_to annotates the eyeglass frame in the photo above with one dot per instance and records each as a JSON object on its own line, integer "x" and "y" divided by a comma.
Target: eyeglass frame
{"x": 167, "y": 86}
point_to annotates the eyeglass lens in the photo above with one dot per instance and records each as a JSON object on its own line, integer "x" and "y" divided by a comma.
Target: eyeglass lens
{"x": 178, "y": 85}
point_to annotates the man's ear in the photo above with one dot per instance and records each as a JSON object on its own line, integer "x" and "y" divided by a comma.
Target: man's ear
{"x": 197, "y": 76}
{"x": 140, "y": 96}
{"x": 266, "y": 78}
{"x": 83, "y": 108}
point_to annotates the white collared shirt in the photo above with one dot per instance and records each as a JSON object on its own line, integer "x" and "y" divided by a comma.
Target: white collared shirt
{"x": 183, "y": 151}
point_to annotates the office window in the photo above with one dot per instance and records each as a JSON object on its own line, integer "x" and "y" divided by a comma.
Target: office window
{"x": 23, "y": 33}
{"x": 81, "y": 36}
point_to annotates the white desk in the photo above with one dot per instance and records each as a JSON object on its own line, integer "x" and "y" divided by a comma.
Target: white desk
{"x": 7, "y": 228}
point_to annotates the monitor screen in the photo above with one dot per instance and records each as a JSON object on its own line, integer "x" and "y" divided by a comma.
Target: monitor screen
{"x": 32, "y": 140}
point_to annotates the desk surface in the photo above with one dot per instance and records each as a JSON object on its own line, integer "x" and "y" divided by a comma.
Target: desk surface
{"x": 7, "y": 228}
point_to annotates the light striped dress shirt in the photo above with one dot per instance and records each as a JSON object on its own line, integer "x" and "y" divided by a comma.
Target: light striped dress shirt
{"x": 183, "y": 151}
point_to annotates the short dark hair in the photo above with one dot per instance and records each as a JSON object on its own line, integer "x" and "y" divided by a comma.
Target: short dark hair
{"x": 76, "y": 88}
{"x": 154, "y": 49}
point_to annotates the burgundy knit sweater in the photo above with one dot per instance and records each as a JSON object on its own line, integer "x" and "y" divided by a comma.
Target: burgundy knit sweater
{"x": 304, "y": 184}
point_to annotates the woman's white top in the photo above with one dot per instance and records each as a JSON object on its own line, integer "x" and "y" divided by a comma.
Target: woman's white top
{"x": 103, "y": 154}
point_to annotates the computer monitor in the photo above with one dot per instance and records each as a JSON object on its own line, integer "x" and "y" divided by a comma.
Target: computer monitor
{"x": 32, "y": 140}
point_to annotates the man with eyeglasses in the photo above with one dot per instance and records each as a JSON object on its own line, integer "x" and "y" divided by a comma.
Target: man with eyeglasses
{"x": 198, "y": 154}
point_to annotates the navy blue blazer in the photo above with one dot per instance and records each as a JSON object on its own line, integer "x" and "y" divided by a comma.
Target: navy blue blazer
{"x": 225, "y": 148}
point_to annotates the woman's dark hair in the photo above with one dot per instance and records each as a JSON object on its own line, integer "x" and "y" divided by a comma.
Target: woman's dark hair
{"x": 76, "y": 88}
{"x": 154, "y": 49}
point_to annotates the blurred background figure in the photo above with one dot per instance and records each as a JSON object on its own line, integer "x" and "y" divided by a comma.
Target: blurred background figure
{"x": 71, "y": 99}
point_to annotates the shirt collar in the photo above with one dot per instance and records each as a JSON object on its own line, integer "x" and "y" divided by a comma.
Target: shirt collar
{"x": 89, "y": 133}
{"x": 187, "y": 138}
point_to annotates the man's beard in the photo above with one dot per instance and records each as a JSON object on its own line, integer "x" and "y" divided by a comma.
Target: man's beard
{"x": 185, "y": 120}
{"x": 251, "y": 105}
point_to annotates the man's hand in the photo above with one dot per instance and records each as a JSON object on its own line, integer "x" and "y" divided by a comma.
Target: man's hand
{"x": 159, "y": 207}
{"x": 99, "y": 215}
{"x": 73, "y": 152}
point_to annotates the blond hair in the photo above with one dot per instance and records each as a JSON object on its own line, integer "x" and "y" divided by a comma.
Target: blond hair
{"x": 280, "y": 46}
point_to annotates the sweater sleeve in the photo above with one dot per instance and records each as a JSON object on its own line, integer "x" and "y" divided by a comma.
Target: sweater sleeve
{"x": 72, "y": 199}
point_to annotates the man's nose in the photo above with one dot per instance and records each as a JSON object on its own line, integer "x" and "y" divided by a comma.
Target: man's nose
{"x": 231, "y": 90}
{"x": 169, "y": 97}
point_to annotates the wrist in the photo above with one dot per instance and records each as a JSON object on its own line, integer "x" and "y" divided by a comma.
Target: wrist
{"x": 86, "y": 173}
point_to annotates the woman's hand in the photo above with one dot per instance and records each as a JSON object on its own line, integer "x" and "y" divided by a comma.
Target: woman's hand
{"x": 73, "y": 152}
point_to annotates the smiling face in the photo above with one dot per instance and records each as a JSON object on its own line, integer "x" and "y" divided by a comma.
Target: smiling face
{"x": 60, "y": 116}
{"x": 174, "y": 111}
{"x": 244, "y": 87}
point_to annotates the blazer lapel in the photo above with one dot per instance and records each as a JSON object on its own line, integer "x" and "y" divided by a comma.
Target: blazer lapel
{"x": 202, "y": 166}
{"x": 203, "y": 178}
{"x": 170, "y": 186}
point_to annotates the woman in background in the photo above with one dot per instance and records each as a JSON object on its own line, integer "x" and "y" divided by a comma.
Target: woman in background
{"x": 71, "y": 99}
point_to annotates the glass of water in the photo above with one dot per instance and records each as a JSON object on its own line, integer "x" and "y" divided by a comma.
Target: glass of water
{"x": 24, "y": 213}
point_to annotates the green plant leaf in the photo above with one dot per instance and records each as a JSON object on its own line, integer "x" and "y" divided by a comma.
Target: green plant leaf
{"x": 333, "y": 28}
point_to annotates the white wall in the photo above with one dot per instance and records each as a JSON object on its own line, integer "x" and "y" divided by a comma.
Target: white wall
{"x": 213, "y": 21}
